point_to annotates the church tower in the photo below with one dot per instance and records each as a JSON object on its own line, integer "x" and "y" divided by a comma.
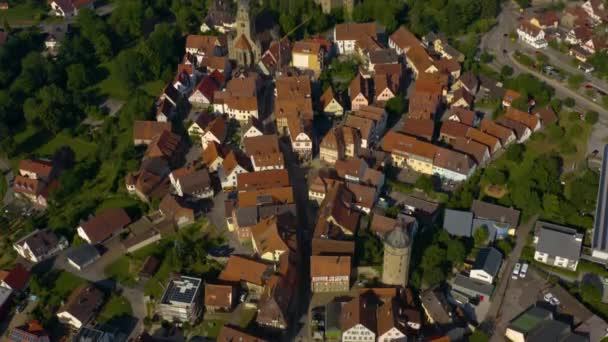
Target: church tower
{"x": 243, "y": 46}
{"x": 397, "y": 251}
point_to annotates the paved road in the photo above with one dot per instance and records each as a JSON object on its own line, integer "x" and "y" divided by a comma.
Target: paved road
{"x": 500, "y": 45}
{"x": 505, "y": 277}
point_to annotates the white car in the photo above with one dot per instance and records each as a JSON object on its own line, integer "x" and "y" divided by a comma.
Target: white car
{"x": 555, "y": 301}
{"x": 524, "y": 270}
{"x": 549, "y": 297}
{"x": 516, "y": 271}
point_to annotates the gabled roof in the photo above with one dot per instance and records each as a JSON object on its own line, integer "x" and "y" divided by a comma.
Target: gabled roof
{"x": 557, "y": 240}
{"x": 494, "y": 129}
{"x": 404, "y": 38}
{"x": 220, "y": 295}
{"x": 274, "y": 234}
{"x": 458, "y": 223}
{"x": 489, "y": 260}
{"x": 306, "y": 47}
{"x": 208, "y": 86}
{"x": 530, "y": 121}
{"x": 454, "y": 129}
{"x": 419, "y": 128}
{"x": 464, "y": 115}
{"x": 327, "y": 97}
{"x": 454, "y": 161}
{"x": 83, "y": 302}
{"x": 330, "y": 266}
{"x": 42, "y": 168}
{"x": 230, "y": 333}
{"x": 16, "y": 278}
{"x": 239, "y": 268}
{"x": 206, "y": 44}
{"x": 165, "y": 145}
{"x": 515, "y": 126}
{"x": 260, "y": 180}
{"x": 546, "y": 114}
{"x": 147, "y": 130}
{"x": 105, "y": 223}
{"x": 40, "y": 242}
{"x": 471, "y": 147}
{"x": 490, "y": 141}
{"x": 358, "y": 86}
{"x": 495, "y": 212}
{"x": 354, "y": 31}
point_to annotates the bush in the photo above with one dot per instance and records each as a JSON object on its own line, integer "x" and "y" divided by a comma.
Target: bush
{"x": 506, "y": 71}
{"x": 538, "y": 136}
{"x": 576, "y": 81}
{"x": 569, "y": 102}
{"x": 573, "y": 116}
{"x": 515, "y": 152}
{"x": 567, "y": 148}
{"x": 592, "y": 117}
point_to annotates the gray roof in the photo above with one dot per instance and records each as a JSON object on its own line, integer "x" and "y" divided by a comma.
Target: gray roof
{"x": 491, "y": 226}
{"x": 600, "y": 227}
{"x": 333, "y": 310}
{"x": 557, "y": 240}
{"x": 83, "y": 255}
{"x": 552, "y": 330}
{"x": 458, "y": 222}
{"x": 182, "y": 290}
{"x": 593, "y": 327}
{"x": 384, "y": 56}
{"x": 467, "y": 285}
{"x": 420, "y": 204}
{"x": 196, "y": 182}
{"x": 246, "y": 216}
{"x": 495, "y": 212}
{"x": 435, "y": 303}
{"x": 397, "y": 238}
{"x": 488, "y": 259}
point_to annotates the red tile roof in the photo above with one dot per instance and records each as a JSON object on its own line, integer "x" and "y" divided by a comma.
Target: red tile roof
{"x": 105, "y": 223}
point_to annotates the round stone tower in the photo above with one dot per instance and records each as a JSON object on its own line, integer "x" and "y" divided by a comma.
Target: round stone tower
{"x": 397, "y": 251}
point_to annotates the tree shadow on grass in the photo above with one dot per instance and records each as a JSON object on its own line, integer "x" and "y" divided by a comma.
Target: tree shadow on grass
{"x": 33, "y": 142}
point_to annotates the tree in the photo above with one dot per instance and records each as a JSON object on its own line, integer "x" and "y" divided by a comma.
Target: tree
{"x": 575, "y": 81}
{"x": 130, "y": 68}
{"x": 77, "y": 77}
{"x": 496, "y": 176}
{"x": 50, "y": 108}
{"x": 478, "y": 335}
{"x": 287, "y": 22}
{"x": 455, "y": 252}
{"x": 127, "y": 19}
{"x": 569, "y": 102}
{"x": 590, "y": 293}
{"x": 504, "y": 246}
{"x": 515, "y": 153}
{"x": 425, "y": 183}
{"x": 551, "y": 207}
{"x": 481, "y": 236}
{"x": 591, "y": 117}
{"x": 506, "y": 71}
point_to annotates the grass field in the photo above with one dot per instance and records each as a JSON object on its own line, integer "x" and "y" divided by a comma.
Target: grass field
{"x": 32, "y": 141}
{"x": 115, "y": 308}
{"x": 65, "y": 283}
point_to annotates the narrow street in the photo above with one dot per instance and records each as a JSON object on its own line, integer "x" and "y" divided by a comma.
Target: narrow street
{"x": 505, "y": 278}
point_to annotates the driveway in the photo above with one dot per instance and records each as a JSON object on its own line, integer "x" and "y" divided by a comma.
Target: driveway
{"x": 504, "y": 284}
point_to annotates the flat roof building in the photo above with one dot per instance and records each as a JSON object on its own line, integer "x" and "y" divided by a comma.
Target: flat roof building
{"x": 599, "y": 240}
{"x": 181, "y": 302}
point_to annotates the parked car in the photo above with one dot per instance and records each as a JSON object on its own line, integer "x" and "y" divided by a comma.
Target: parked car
{"x": 516, "y": 271}
{"x": 524, "y": 270}
{"x": 549, "y": 297}
{"x": 21, "y": 306}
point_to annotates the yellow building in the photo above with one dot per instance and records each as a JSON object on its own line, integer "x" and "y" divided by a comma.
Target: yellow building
{"x": 307, "y": 56}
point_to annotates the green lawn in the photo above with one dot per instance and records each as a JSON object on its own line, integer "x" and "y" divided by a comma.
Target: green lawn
{"x": 123, "y": 270}
{"x": 65, "y": 283}
{"x": 23, "y": 14}
{"x": 208, "y": 328}
{"x": 247, "y": 315}
{"x": 32, "y": 141}
{"x": 116, "y": 307}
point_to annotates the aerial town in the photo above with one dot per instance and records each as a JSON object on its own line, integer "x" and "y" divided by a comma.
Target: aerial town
{"x": 327, "y": 170}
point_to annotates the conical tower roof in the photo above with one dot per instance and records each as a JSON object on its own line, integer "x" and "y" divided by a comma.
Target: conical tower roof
{"x": 397, "y": 238}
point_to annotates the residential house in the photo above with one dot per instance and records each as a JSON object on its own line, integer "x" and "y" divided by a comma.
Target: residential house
{"x": 352, "y": 141}
{"x": 16, "y": 279}
{"x": 425, "y": 100}
{"x": 181, "y": 301}
{"x": 452, "y": 165}
{"x": 213, "y": 156}
{"x": 205, "y": 46}
{"x": 145, "y": 131}
{"x": 273, "y": 236}
{"x": 346, "y": 35}
{"x": 165, "y": 110}
{"x": 364, "y": 127}
{"x": 70, "y": 8}
{"x": 594, "y": 44}
{"x": 220, "y": 297}
{"x": 419, "y": 61}
{"x": 276, "y": 57}
{"x": 232, "y": 165}
{"x": 351, "y": 170}
{"x": 538, "y": 323}
{"x": 452, "y": 130}
{"x": 188, "y": 182}
{"x": 504, "y": 134}
{"x": 82, "y": 256}
{"x": 217, "y": 66}
{"x": 359, "y": 92}
{"x": 458, "y": 223}
{"x": 436, "y": 307}
{"x": 381, "y": 57}
{"x": 81, "y": 306}
{"x": 230, "y": 333}
{"x": 450, "y": 67}
{"x": 476, "y": 150}
{"x": 384, "y": 88}
{"x": 497, "y": 213}
{"x": 490, "y": 141}
{"x": 39, "y": 245}
{"x": 461, "y": 98}
{"x": 439, "y": 44}
{"x": 532, "y": 35}
{"x": 402, "y": 40}
{"x": 490, "y": 89}
{"x": 239, "y": 99}
{"x": 468, "y": 81}
{"x": 557, "y": 245}
{"x": 596, "y": 10}
{"x": 307, "y": 55}
{"x": 330, "y": 104}
{"x": 364, "y": 196}
{"x": 546, "y": 115}
{"x": 151, "y": 181}
{"x": 251, "y": 274}
{"x": 301, "y": 136}
{"x": 264, "y": 152}
{"x": 35, "y": 180}
{"x": 393, "y": 321}
{"x": 463, "y": 115}
{"x": 422, "y": 129}
{"x": 253, "y": 128}
{"x": 175, "y": 209}
{"x": 185, "y": 79}
{"x": 103, "y": 226}
{"x": 358, "y": 318}
{"x": 220, "y": 17}
{"x": 378, "y": 116}
{"x": 530, "y": 121}
{"x": 31, "y": 332}
{"x": 579, "y": 35}
{"x": 330, "y": 273}
{"x": 203, "y": 93}
{"x": 166, "y": 145}
{"x": 545, "y": 19}
{"x": 509, "y": 97}
{"x": 274, "y": 302}
{"x": 215, "y": 132}
{"x": 486, "y": 266}
{"x": 331, "y": 148}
